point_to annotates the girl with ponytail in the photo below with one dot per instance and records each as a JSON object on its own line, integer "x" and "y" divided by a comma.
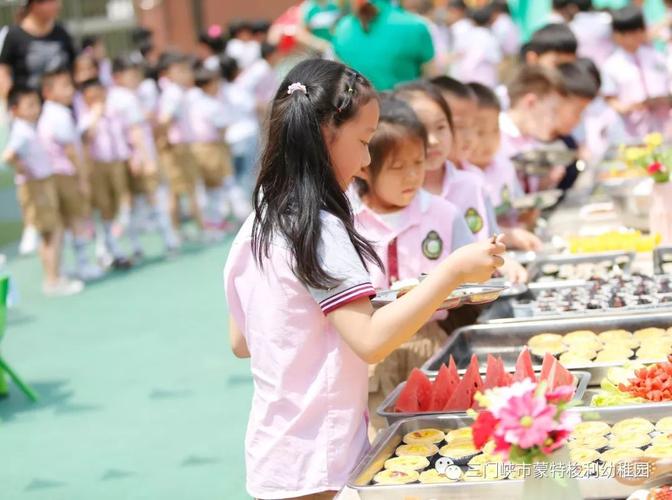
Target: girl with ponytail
{"x": 298, "y": 288}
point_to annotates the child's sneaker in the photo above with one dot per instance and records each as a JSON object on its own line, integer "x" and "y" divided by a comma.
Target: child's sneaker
{"x": 62, "y": 288}
{"x": 90, "y": 272}
{"x": 29, "y": 241}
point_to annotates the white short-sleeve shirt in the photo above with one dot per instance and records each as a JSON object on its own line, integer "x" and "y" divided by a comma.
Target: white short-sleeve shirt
{"x": 23, "y": 141}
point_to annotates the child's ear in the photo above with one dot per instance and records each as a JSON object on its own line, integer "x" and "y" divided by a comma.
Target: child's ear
{"x": 530, "y": 100}
{"x": 531, "y": 58}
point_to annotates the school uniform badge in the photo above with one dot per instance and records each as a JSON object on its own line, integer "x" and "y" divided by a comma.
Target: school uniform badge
{"x": 432, "y": 246}
{"x": 474, "y": 220}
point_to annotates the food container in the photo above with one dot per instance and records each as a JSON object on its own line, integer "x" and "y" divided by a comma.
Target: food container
{"x": 386, "y": 408}
{"x": 662, "y": 260}
{"x": 388, "y": 440}
{"x": 507, "y": 340}
{"x": 540, "y": 200}
{"x": 466, "y": 294}
{"x": 623, "y": 260}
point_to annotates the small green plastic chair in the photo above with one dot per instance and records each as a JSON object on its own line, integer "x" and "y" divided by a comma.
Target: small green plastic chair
{"x": 4, "y": 367}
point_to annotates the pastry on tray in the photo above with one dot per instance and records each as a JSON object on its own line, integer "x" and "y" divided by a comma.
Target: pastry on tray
{"x": 395, "y": 477}
{"x": 431, "y": 436}
{"x": 418, "y": 450}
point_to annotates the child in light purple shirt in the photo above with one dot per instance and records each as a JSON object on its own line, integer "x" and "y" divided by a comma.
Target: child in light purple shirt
{"x": 58, "y": 132}
{"x": 636, "y": 82}
{"x": 593, "y": 32}
{"x": 35, "y": 187}
{"x": 142, "y": 168}
{"x": 108, "y": 151}
{"x": 298, "y": 288}
{"x": 175, "y": 129}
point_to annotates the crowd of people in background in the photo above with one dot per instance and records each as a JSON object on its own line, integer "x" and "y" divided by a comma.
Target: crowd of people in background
{"x": 106, "y": 149}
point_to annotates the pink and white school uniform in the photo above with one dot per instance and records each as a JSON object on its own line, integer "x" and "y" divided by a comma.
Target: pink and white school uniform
{"x": 57, "y": 130}
{"x": 307, "y": 428}
{"x": 634, "y": 78}
{"x": 261, "y": 80}
{"x": 174, "y": 103}
{"x": 501, "y": 183}
{"x": 508, "y": 34}
{"x": 24, "y": 141}
{"x": 107, "y": 141}
{"x": 413, "y": 240}
{"x": 478, "y": 56}
{"x": 513, "y": 142}
{"x": 602, "y": 128}
{"x": 593, "y": 32}
{"x": 465, "y": 190}
{"x": 127, "y": 107}
{"x": 208, "y": 115}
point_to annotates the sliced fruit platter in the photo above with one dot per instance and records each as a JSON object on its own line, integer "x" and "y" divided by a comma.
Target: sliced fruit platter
{"x": 636, "y": 384}
{"x": 448, "y": 392}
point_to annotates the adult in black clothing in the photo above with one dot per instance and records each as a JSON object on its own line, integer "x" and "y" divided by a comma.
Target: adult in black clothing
{"x": 35, "y": 45}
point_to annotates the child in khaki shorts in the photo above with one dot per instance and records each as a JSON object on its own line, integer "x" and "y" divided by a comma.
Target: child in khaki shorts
{"x": 108, "y": 153}
{"x": 58, "y": 132}
{"x": 36, "y": 187}
{"x": 176, "y": 136}
{"x": 209, "y": 118}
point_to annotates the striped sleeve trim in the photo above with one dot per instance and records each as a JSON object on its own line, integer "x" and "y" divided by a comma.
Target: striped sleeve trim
{"x": 353, "y": 293}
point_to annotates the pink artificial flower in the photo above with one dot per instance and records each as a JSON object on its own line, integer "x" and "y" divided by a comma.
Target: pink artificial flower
{"x": 527, "y": 420}
{"x": 483, "y": 428}
{"x": 501, "y": 445}
{"x": 655, "y": 167}
{"x": 559, "y": 436}
{"x": 215, "y": 31}
{"x": 561, "y": 394}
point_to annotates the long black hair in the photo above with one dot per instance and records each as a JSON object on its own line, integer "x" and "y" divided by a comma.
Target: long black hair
{"x": 296, "y": 179}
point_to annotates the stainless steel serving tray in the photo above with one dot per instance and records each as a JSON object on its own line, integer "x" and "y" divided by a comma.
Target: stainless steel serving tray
{"x": 386, "y": 408}
{"x": 662, "y": 260}
{"x": 466, "y": 294}
{"x": 540, "y": 200}
{"x": 507, "y": 340}
{"x": 388, "y": 440}
{"x": 536, "y": 266}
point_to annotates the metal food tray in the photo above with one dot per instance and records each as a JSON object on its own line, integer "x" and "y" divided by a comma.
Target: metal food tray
{"x": 575, "y": 259}
{"x": 466, "y": 294}
{"x": 386, "y": 408}
{"x": 539, "y": 161}
{"x": 662, "y": 260}
{"x": 388, "y": 440}
{"x": 508, "y": 340}
{"x": 540, "y": 200}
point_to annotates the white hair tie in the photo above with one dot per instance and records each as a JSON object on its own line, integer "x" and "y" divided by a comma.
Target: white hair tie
{"x": 297, "y": 86}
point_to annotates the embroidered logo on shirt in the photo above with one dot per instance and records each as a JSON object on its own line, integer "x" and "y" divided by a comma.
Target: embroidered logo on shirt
{"x": 505, "y": 205}
{"x": 432, "y": 245}
{"x": 474, "y": 220}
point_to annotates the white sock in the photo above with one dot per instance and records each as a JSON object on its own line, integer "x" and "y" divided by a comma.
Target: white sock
{"x": 79, "y": 245}
{"x": 111, "y": 242}
{"x": 161, "y": 220}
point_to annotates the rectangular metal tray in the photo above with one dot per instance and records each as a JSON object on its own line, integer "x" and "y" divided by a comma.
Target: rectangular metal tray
{"x": 386, "y": 408}
{"x": 387, "y": 441}
{"x": 507, "y": 340}
{"x": 466, "y": 294}
{"x": 535, "y": 267}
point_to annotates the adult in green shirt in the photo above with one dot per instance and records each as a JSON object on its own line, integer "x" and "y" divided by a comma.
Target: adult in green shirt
{"x": 386, "y": 44}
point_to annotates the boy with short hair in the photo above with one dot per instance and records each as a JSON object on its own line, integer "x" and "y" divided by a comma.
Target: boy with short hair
{"x": 536, "y": 94}
{"x": 177, "y": 136}
{"x": 580, "y": 89}
{"x": 550, "y": 46}
{"x": 636, "y": 82}
{"x": 107, "y": 149}
{"x": 36, "y": 188}
{"x": 142, "y": 170}
{"x": 58, "y": 132}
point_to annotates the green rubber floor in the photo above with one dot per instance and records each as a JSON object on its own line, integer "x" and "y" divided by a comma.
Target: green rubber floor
{"x": 140, "y": 396}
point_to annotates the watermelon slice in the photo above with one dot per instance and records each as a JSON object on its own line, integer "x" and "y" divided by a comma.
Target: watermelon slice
{"x": 546, "y": 366}
{"x": 462, "y": 397}
{"x": 524, "y": 367}
{"x": 492, "y": 375}
{"x": 505, "y": 378}
{"x": 563, "y": 375}
{"x": 441, "y": 389}
{"x": 416, "y": 395}
{"x": 454, "y": 377}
